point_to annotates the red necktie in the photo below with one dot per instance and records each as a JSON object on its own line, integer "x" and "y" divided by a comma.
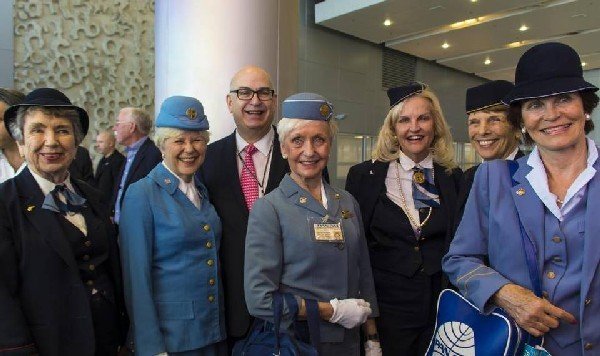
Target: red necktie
{"x": 248, "y": 178}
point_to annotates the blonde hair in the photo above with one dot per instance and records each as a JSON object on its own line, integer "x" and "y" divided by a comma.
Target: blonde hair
{"x": 387, "y": 147}
{"x": 161, "y": 134}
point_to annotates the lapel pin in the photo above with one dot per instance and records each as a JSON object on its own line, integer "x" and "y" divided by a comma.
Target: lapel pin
{"x": 30, "y": 208}
{"x": 520, "y": 191}
{"x": 337, "y": 195}
{"x": 371, "y": 172}
{"x": 303, "y": 200}
{"x": 167, "y": 181}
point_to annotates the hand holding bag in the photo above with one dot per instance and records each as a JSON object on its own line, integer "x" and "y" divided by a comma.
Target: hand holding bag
{"x": 266, "y": 338}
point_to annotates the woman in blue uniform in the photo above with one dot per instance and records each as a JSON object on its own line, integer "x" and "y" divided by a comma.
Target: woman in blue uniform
{"x": 407, "y": 196}
{"x": 170, "y": 236}
{"x": 535, "y": 220}
{"x": 306, "y": 237}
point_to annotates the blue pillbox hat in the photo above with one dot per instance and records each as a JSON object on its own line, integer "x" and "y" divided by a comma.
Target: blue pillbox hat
{"x": 307, "y": 106}
{"x": 182, "y": 112}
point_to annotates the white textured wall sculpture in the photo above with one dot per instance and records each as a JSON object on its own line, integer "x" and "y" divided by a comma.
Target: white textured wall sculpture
{"x": 100, "y": 53}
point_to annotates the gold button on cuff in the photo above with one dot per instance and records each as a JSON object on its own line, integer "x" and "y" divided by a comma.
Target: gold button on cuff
{"x": 588, "y": 346}
{"x": 210, "y": 262}
{"x": 551, "y": 275}
{"x": 206, "y": 227}
{"x": 556, "y": 239}
{"x": 211, "y": 298}
{"x": 211, "y": 281}
{"x": 208, "y": 244}
{"x": 92, "y": 267}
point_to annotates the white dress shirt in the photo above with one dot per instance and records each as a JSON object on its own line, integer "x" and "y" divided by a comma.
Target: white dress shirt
{"x": 262, "y": 158}
{"x": 405, "y": 168}
{"x": 47, "y": 186}
{"x": 539, "y": 181}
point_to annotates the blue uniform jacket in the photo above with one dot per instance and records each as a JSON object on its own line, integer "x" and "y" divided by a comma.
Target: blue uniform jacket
{"x": 170, "y": 266}
{"x": 490, "y": 227}
{"x": 281, "y": 254}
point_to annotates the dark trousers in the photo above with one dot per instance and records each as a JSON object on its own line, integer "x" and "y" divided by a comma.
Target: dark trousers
{"x": 106, "y": 326}
{"x": 396, "y": 341}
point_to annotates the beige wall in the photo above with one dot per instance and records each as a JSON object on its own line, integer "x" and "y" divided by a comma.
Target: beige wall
{"x": 100, "y": 53}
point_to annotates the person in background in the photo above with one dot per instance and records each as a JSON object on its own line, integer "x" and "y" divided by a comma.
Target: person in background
{"x": 60, "y": 276}
{"x": 81, "y": 167}
{"x": 109, "y": 165}
{"x": 528, "y": 241}
{"x": 170, "y": 235}
{"x": 407, "y": 196}
{"x": 141, "y": 154}
{"x": 11, "y": 162}
{"x": 491, "y": 133}
{"x": 306, "y": 238}
{"x": 239, "y": 169}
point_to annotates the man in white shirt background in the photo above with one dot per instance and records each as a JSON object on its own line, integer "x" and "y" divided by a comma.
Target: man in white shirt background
{"x": 11, "y": 161}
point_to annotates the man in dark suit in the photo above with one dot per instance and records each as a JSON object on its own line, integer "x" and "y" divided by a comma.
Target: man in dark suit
{"x": 81, "y": 167}
{"x": 109, "y": 166}
{"x": 131, "y": 129}
{"x": 252, "y": 103}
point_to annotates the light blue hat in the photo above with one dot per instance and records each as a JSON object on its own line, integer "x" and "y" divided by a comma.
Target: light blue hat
{"x": 182, "y": 112}
{"x": 307, "y": 106}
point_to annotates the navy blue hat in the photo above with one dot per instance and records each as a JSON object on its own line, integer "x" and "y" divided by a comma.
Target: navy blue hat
{"x": 399, "y": 94}
{"x": 182, "y": 112}
{"x": 307, "y": 106}
{"x": 47, "y": 97}
{"x": 487, "y": 95}
{"x": 548, "y": 69}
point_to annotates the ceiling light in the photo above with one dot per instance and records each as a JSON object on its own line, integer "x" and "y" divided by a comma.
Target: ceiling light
{"x": 465, "y": 23}
{"x": 487, "y": 61}
{"x": 445, "y": 45}
{"x": 473, "y": 0}
{"x": 523, "y": 28}
{"x": 387, "y": 22}
{"x": 583, "y": 64}
{"x": 515, "y": 44}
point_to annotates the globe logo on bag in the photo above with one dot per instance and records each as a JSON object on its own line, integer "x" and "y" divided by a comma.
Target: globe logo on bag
{"x": 454, "y": 338}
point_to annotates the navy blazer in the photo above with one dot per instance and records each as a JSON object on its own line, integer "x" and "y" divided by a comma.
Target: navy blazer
{"x": 490, "y": 228}
{"x": 170, "y": 266}
{"x": 107, "y": 173}
{"x": 146, "y": 158}
{"x": 219, "y": 173}
{"x": 43, "y": 300}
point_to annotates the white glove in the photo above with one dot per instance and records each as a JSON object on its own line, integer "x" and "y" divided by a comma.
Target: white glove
{"x": 349, "y": 313}
{"x": 373, "y": 348}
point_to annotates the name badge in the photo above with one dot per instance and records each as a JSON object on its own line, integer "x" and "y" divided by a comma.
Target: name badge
{"x": 326, "y": 230}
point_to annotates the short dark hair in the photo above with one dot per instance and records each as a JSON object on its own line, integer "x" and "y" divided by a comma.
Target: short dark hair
{"x": 588, "y": 98}
{"x": 11, "y": 96}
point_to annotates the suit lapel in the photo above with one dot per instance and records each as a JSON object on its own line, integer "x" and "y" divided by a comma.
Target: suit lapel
{"x": 137, "y": 160}
{"x": 529, "y": 206}
{"x": 591, "y": 257}
{"x": 448, "y": 198}
{"x": 278, "y": 168}
{"x": 44, "y": 221}
{"x": 333, "y": 201}
{"x": 230, "y": 170}
{"x": 301, "y": 197}
{"x": 372, "y": 183}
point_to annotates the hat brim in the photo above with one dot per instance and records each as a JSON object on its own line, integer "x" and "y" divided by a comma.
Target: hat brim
{"x": 10, "y": 116}
{"x": 548, "y": 87}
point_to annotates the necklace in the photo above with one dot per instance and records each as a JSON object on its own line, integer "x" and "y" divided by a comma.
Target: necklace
{"x": 260, "y": 183}
{"x": 416, "y": 226}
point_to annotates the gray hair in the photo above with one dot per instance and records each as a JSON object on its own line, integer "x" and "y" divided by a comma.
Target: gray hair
{"x": 161, "y": 134}
{"x": 11, "y": 97}
{"x": 287, "y": 125}
{"x": 141, "y": 118}
{"x": 16, "y": 127}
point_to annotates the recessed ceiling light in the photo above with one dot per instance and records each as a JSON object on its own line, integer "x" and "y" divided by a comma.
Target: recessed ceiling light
{"x": 583, "y": 64}
{"x": 487, "y": 61}
{"x": 445, "y": 45}
{"x": 515, "y": 44}
{"x": 473, "y": 0}
{"x": 523, "y": 28}
{"x": 387, "y": 22}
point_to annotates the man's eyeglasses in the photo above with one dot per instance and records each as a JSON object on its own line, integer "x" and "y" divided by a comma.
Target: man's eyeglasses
{"x": 264, "y": 94}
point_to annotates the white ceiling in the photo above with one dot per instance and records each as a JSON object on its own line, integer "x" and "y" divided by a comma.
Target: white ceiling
{"x": 420, "y": 27}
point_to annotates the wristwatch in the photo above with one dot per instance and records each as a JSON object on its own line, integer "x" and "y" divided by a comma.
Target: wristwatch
{"x": 373, "y": 337}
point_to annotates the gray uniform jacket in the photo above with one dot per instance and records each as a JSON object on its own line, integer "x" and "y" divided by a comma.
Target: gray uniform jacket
{"x": 281, "y": 253}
